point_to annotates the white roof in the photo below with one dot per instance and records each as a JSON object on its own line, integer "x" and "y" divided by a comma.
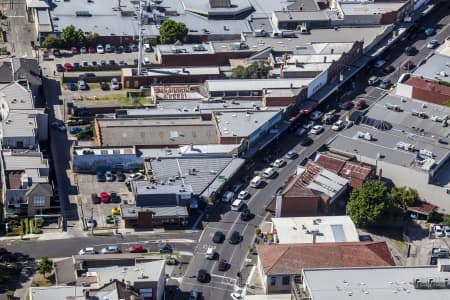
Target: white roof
{"x": 255, "y": 84}
{"x": 332, "y": 229}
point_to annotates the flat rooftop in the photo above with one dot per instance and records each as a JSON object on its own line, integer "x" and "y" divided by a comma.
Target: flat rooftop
{"x": 16, "y": 96}
{"x": 104, "y": 150}
{"x": 129, "y": 211}
{"x": 365, "y": 8}
{"x": 17, "y": 161}
{"x": 437, "y": 67}
{"x": 342, "y": 35}
{"x": 388, "y": 283}
{"x": 19, "y": 124}
{"x": 255, "y": 84}
{"x": 203, "y": 48}
{"x": 241, "y": 124}
{"x": 333, "y": 229}
{"x": 184, "y": 131}
{"x": 169, "y": 72}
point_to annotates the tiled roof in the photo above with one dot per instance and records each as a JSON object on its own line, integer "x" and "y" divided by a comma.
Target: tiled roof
{"x": 423, "y": 208}
{"x": 292, "y": 258}
{"x": 330, "y": 163}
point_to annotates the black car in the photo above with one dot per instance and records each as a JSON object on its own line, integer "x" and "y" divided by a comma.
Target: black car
{"x": 410, "y": 51}
{"x": 120, "y": 177}
{"x": 118, "y": 50}
{"x": 218, "y": 237}
{"x": 100, "y": 177}
{"x": 104, "y": 86}
{"x": 202, "y": 276}
{"x": 95, "y": 199}
{"x": 223, "y": 265}
{"x": 112, "y": 62}
{"x": 114, "y": 197}
{"x": 306, "y": 141}
{"x": 388, "y": 69}
{"x": 235, "y": 238}
{"x": 94, "y": 63}
{"x": 246, "y": 215}
{"x": 60, "y": 68}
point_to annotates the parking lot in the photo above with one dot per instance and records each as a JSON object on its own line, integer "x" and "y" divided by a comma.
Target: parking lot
{"x": 87, "y": 185}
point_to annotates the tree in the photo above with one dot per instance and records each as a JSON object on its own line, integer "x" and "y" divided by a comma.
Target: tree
{"x": 72, "y": 36}
{"x": 44, "y": 266}
{"x": 403, "y": 196}
{"x": 51, "y": 42}
{"x": 255, "y": 70}
{"x": 171, "y": 31}
{"x": 91, "y": 39}
{"x": 370, "y": 204}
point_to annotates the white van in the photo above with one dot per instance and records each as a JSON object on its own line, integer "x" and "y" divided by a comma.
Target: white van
{"x": 210, "y": 254}
{"x": 268, "y": 172}
{"x": 147, "y": 48}
{"x": 256, "y": 182}
{"x": 237, "y": 205}
{"x": 227, "y": 196}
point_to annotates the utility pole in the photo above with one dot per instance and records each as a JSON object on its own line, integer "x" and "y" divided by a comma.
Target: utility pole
{"x": 140, "y": 20}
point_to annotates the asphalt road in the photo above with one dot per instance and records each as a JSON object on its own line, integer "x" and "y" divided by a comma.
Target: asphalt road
{"x": 180, "y": 241}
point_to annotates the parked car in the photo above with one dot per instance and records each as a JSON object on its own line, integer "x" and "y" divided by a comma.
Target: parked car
{"x": 115, "y": 85}
{"x": 95, "y": 199}
{"x": 94, "y": 63}
{"x": 235, "y": 238}
{"x": 87, "y": 250}
{"x": 137, "y": 249}
{"x": 430, "y": 31}
{"x": 67, "y": 67}
{"x": 82, "y": 85}
{"x": 316, "y": 115}
{"x": 236, "y": 296}
{"x": 127, "y": 49}
{"x": 90, "y": 223}
{"x": 114, "y": 198}
{"x": 373, "y": 80}
{"x": 135, "y": 176}
{"x": 83, "y": 50}
{"x": 75, "y": 130}
{"x": 111, "y": 62}
{"x": 361, "y": 104}
{"x": 108, "y": 48}
{"x": 115, "y": 211}
{"x": 59, "y": 68}
{"x": 71, "y": 86}
{"x": 223, "y": 265}
{"x": 218, "y": 237}
{"x": 104, "y": 197}
{"x": 58, "y": 126}
{"x": 120, "y": 177}
{"x": 118, "y": 50}
{"x": 75, "y": 65}
{"x": 243, "y": 195}
{"x": 308, "y": 125}
{"x": 166, "y": 249}
{"x": 103, "y": 62}
{"x": 385, "y": 83}
{"x": 317, "y": 129}
{"x": 338, "y": 125}
{"x": 146, "y": 61}
{"x": 438, "y": 231}
{"x": 104, "y": 86}
{"x": 440, "y": 252}
{"x": 74, "y": 50}
{"x": 100, "y": 177}
{"x": 291, "y": 155}
{"x": 379, "y": 63}
{"x": 203, "y": 276}
{"x": 91, "y": 50}
{"x": 279, "y": 163}
{"x": 408, "y": 65}
{"x": 171, "y": 261}
{"x": 447, "y": 230}
{"x": 306, "y": 141}
{"x": 109, "y": 176}
{"x": 347, "y": 105}
{"x": 111, "y": 250}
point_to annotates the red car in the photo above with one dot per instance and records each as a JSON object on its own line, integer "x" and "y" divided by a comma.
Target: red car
{"x": 104, "y": 197}
{"x": 74, "y": 50}
{"x": 361, "y": 104}
{"x": 91, "y": 50}
{"x": 67, "y": 67}
{"x": 408, "y": 65}
{"x": 137, "y": 249}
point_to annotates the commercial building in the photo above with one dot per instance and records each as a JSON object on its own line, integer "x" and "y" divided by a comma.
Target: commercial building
{"x": 390, "y": 283}
{"x": 281, "y": 266}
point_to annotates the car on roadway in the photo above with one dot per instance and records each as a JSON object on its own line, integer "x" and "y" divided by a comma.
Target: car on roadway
{"x": 135, "y": 176}
{"x": 243, "y": 195}
{"x": 87, "y": 251}
{"x": 110, "y": 250}
{"x": 115, "y": 85}
{"x": 56, "y": 52}
{"x": 317, "y": 129}
{"x": 306, "y": 141}
{"x": 279, "y": 163}
{"x": 411, "y": 51}
{"x": 223, "y": 265}
{"x": 430, "y": 31}
{"x": 291, "y": 155}
{"x": 109, "y": 176}
{"x": 347, "y": 105}
{"x": 138, "y": 248}
{"x": 235, "y": 238}
{"x": 385, "y": 83}
{"x": 308, "y": 125}
{"x": 432, "y": 44}
{"x": 100, "y": 177}
{"x": 166, "y": 249}
{"x": 218, "y": 237}
{"x": 338, "y": 125}
{"x": 361, "y": 104}
{"x": 379, "y": 63}
{"x": 316, "y": 115}
{"x": 203, "y": 276}
{"x": 236, "y": 296}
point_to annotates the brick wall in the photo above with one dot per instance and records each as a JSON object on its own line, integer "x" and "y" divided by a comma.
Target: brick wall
{"x": 278, "y": 101}
{"x": 299, "y": 206}
{"x": 346, "y": 59}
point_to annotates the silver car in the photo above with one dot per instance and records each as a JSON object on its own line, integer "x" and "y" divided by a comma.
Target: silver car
{"x": 111, "y": 249}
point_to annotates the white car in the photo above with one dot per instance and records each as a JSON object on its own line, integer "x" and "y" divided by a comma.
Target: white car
{"x": 86, "y": 251}
{"x": 146, "y": 61}
{"x": 316, "y": 115}
{"x": 236, "y": 296}
{"x": 279, "y": 163}
{"x": 338, "y": 125}
{"x": 308, "y": 125}
{"x": 83, "y": 50}
{"x": 447, "y": 231}
{"x": 243, "y": 195}
{"x": 100, "y": 49}
{"x": 110, "y": 249}
{"x": 82, "y": 85}
{"x": 432, "y": 44}
{"x": 135, "y": 176}
{"x": 115, "y": 85}
{"x": 438, "y": 231}
{"x": 90, "y": 223}
{"x": 317, "y": 129}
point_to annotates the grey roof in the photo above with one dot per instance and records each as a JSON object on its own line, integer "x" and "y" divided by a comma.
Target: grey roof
{"x": 123, "y": 132}
{"x": 299, "y": 16}
{"x": 143, "y": 187}
{"x": 16, "y": 96}
{"x": 255, "y": 84}
{"x": 388, "y": 283}
{"x": 152, "y": 271}
{"x": 21, "y": 161}
{"x": 25, "y": 68}
{"x": 57, "y": 293}
{"x": 367, "y": 8}
{"x": 433, "y": 67}
{"x": 213, "y": 150}
{"x": 203, "y": 7}
{"x": 241, "y": 124}
{"x": 6, "y": 73}
{"x": 65, "y": 271}
{"x": 204, "y": 170}
{"x": 163, "y": 72}
{"x": 185, "y": 48}
{"x": 129, "y": 211}
{"x": 19, "y": 124}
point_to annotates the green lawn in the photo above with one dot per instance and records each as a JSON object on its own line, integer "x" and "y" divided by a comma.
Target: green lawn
{"x": 447, "y": 103}
{"x": 119, "y": 98}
